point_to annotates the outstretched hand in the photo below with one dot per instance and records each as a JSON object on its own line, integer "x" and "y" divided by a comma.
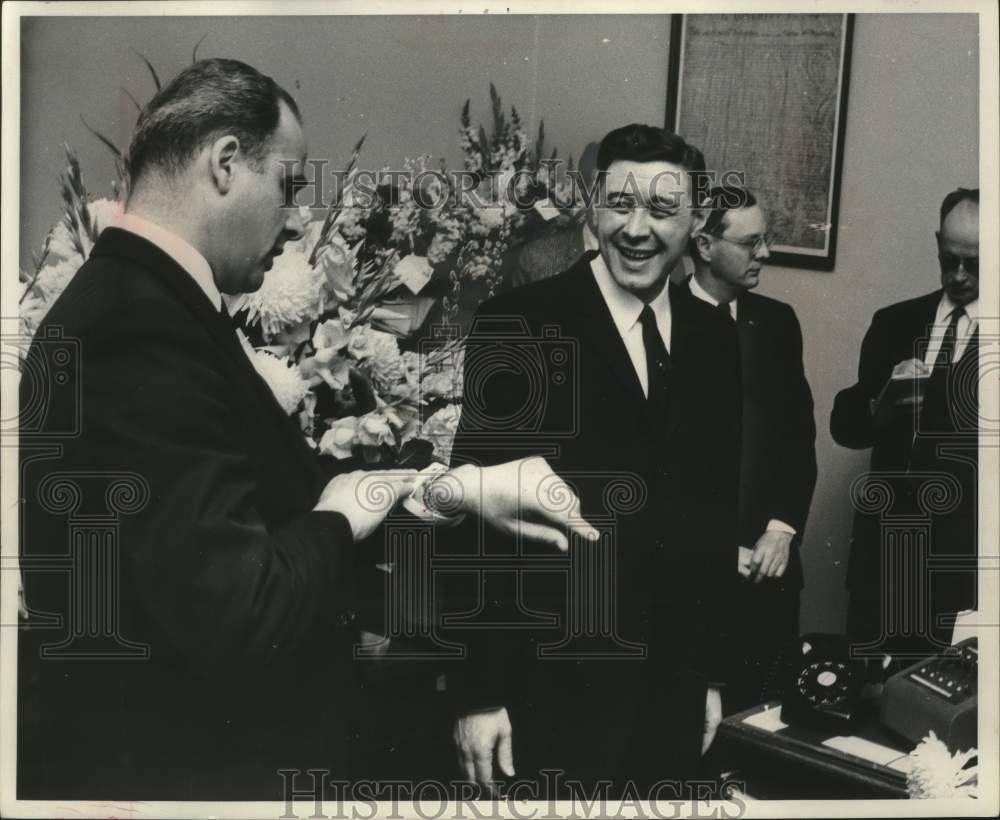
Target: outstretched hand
{"x": 523, "y": 498}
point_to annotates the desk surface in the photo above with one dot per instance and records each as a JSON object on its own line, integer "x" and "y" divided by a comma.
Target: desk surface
{"x": 801, "y": 748}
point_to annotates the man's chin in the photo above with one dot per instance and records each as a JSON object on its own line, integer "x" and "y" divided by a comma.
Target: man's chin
{"x": 641, "y": 282}
{"x": 961, "y": 296}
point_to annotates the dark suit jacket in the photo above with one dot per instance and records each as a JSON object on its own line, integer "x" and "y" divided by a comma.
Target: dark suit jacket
{"x": 778, "y": 468}
{"x": 896, "y": 333}
{"x": 239, "y": 591}
{"x": 547, "y": 373}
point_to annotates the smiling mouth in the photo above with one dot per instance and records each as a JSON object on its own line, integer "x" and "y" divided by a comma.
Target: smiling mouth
{"x": 636, "y": 255}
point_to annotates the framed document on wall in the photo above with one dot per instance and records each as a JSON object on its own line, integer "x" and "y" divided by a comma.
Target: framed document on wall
{"x": 766, "y": 95}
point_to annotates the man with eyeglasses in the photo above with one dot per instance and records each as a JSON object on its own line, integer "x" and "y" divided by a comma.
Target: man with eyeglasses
{"x": 778, "y": 453}
{"x": 916, "y": 405}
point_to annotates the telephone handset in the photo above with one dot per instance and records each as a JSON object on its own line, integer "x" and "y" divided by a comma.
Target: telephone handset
{"x": 823, "y": 684}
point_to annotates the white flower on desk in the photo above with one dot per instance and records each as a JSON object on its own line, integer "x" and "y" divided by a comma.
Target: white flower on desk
{"x": 936, "y": 773}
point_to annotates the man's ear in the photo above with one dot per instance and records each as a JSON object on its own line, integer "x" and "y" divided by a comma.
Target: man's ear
{"x": 222, "y": 162}
{"x": 704, "y": 245}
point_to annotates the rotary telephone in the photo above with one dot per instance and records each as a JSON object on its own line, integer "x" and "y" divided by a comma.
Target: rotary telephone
{"x": 821, "y": 684}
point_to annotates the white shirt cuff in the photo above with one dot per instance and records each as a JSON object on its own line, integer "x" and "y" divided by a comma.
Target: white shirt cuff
{"x": 780, "y": 526}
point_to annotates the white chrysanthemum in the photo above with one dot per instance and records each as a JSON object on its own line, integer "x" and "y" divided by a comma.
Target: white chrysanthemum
{"x": 103, "y": 213}
{"x": 380, "y": 354}
{"x": 289, "y": 296}
{"x": 491, "y": 215}
{"x": 31, "y": 311}
{"x": 283, "y": 378}
{"x": 440, "y": 430}
{"x": 936, "y": 773}
{"x": 53, "y": 278}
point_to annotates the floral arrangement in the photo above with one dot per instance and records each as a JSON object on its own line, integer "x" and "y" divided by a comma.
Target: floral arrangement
{"x": 936, "y": 773}
{"x": 335, "y": 330}
{"x": 452, "y": 230}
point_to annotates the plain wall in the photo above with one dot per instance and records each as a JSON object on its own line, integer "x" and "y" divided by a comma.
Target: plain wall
{"x": 911, "y": 136}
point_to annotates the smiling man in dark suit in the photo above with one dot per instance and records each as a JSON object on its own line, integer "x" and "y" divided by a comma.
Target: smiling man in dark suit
{"x": 778, "y": 459}
{"x": 227, "y": 604}
{"x": 915, "y": 404}
{"x": 644, "y": 397}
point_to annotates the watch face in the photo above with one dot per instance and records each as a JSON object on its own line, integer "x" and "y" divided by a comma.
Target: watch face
{"x": 825, "y": 683}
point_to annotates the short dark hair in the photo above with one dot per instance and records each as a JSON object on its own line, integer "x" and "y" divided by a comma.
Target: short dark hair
{"x": 720, "y": 201}
{"x": 644, "y": 143}
{"x": 207, "y": 100}
{"x": 956, "y": 196}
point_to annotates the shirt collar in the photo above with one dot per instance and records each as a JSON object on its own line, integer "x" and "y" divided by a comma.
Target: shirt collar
{"x": 699, "y": 292}
{"x": 624, "y": 306}
{"x": 181, "y": 251}
{"x": 589, "y": 240}
{"x": 947, "y": 305}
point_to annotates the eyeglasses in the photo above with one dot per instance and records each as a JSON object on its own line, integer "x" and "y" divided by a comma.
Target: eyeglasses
{"x": 950, "y": 261}
{"x": 753, "y": 245}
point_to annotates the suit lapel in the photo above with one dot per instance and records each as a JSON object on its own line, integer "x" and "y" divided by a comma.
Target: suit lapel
{"x": 751, "y": 336}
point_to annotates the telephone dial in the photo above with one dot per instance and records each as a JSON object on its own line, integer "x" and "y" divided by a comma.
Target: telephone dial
{"x": 822, "y": 683}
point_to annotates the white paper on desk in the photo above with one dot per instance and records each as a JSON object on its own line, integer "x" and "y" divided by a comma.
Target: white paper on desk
{"x": 769, "y": 720}
{"x": 865, "y": 749}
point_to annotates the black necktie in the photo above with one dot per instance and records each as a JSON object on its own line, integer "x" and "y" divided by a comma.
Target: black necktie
{"x": 657, "y": 358}
{"x": 724, "y": 310}
{"x": 935, "y": 413}
{"x": 947, "y": 352}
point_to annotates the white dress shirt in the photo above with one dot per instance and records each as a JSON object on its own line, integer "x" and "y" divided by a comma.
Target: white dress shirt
{"x": 699, "y": 292}
{"x": 182, "y": 252}
{"x": 625, "y": 308}
{"x": 589, "y": 240}
{"x": 964, "y": 328}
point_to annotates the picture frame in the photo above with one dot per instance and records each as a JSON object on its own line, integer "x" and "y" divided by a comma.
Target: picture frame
{"x": 765, "y": 96}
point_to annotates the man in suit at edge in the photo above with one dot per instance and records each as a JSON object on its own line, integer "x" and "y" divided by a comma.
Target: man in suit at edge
{"x": 778, "y": 461}
{"x": 655, "y": 398}
{"x": 916, "y": 405}
{"x": 237, "y": 571}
